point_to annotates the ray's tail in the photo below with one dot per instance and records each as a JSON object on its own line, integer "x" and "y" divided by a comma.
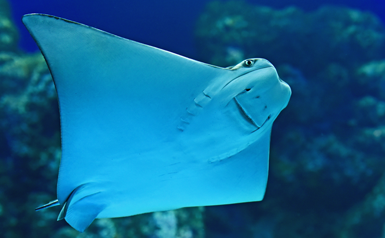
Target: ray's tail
{"x": 53, "y": 203}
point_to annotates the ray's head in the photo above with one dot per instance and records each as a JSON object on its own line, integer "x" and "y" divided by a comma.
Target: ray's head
{"x": 238, "y": 109}
{"x": 256, "y": 94}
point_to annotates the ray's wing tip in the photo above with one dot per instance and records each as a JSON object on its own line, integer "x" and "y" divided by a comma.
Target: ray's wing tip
{"x": 30, "y": 17}
{"x": 38, "y": 15}
{"x": 26, "y": 19}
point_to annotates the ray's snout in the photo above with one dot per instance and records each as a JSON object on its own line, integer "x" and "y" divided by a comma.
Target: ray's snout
{"x": 261, "y": 63}
{"x": 285, "y": 93}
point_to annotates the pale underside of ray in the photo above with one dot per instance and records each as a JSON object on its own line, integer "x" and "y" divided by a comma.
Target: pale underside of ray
{"x": 124, "y": 110}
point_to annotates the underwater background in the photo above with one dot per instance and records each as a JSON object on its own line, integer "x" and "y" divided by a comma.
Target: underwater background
{"x": 327, "y": 159}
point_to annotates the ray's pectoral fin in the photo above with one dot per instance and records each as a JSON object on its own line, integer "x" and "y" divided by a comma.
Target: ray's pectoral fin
{"x": 80, "y": 210}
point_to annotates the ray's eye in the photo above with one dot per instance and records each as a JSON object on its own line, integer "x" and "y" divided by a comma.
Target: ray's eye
{"x": 248, "y": 63}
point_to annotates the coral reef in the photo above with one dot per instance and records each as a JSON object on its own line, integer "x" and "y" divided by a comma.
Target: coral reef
{"x": 8, "y": 33}
{"x": 340, "y": 35}
{"x": 328, "y": 146}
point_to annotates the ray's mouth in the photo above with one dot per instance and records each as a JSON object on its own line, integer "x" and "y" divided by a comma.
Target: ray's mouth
{"x": 248, "y": 118}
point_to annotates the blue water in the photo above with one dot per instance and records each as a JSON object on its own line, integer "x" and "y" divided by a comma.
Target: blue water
{"x": 165, "y": 24}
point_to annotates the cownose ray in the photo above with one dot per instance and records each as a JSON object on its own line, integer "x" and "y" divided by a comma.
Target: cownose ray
{"x": 145, "y": 130}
